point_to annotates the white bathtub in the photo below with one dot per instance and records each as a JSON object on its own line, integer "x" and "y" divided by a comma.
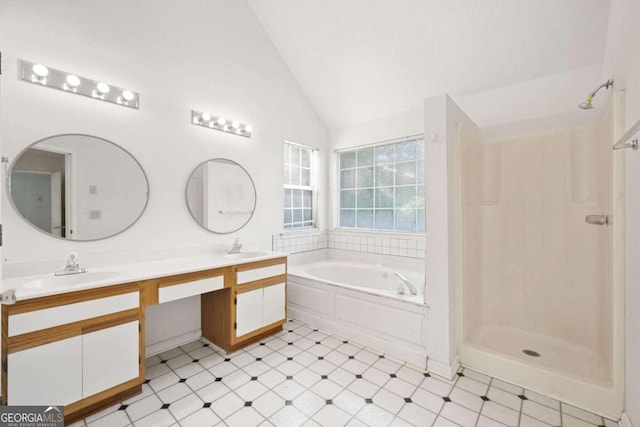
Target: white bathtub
{"x": 359, "y": 301}
{"x": 372, "y": 279}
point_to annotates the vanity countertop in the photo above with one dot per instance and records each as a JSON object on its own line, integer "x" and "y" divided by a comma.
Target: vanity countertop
{"x": 27, "y": 287}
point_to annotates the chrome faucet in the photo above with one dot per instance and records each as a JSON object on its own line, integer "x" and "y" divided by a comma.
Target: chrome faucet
{"x": 407, "y": 283}
{"x": 72, "y": 266}
{"x": 236, "y": 248}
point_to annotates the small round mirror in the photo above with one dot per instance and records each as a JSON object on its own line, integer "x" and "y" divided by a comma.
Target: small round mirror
{"x": 221, "y": 196}
{"x": 78, "y": 187}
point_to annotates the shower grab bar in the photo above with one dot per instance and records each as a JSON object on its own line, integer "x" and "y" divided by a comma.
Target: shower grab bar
{"x": 622, "y": 142}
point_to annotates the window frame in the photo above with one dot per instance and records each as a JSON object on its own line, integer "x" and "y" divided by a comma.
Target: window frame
{"x": 420, "y": 182}
{"x": 313, "y": 167}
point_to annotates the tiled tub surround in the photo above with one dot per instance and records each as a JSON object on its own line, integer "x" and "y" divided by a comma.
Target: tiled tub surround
{"x": 300, "y": 241}
{"x": 382, "y": 243}
{"x": 380, "y": 318}
{"x": 303, "y": 376}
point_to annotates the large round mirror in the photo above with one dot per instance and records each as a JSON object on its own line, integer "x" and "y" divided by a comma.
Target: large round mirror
{"x": 221, "y": 196}
{"x": 78, "y": 187}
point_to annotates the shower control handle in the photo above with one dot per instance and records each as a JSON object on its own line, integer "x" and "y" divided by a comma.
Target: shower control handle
{"x": 598, "y": 219}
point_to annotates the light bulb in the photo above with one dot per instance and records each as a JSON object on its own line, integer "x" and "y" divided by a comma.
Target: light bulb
{"x": 221, "y": 121}
{"x": 127, "y": 95}
{"x": 205, "y": 117}
{"x": 40, "y": 71}
{"x": 103, "y": 88}
{"x": 72, "y": 81}
{"x": 235, "y": 125}
{"x": 248, "y": 128}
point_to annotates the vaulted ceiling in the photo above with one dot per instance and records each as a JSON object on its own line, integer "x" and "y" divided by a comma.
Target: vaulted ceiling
{"x": 358, "y": 60}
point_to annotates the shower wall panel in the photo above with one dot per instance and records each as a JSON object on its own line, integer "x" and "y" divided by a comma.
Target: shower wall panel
{"x": 531, "y": 262}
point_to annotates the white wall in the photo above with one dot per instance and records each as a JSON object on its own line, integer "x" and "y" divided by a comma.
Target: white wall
{"x": 537, "y": 105}
{"x": 210, "y": 55}
{"x": 442, "y": 117}
{"x": 622, "y": 62}
{"x": 392, "y": 127}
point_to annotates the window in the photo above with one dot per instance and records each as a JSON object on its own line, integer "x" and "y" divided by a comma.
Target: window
{"x": 298, "y": 187}
{"x": 382, "y": 187}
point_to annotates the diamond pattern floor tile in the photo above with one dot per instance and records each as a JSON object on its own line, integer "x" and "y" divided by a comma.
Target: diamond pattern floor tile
{"x": 306, "y": 377}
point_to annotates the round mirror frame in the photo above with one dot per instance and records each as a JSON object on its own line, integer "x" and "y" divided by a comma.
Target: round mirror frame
{"x": 255, "y": 195}
{"x": 19, "y": 214}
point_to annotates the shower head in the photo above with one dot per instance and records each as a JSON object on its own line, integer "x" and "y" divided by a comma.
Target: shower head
{"x": 587, "y": 105}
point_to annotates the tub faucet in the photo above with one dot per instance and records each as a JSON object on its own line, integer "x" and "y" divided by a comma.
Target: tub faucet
{"x": 407, "y": 283}
{"x": 72, "y": 266}
{"x": 236, "y": 248}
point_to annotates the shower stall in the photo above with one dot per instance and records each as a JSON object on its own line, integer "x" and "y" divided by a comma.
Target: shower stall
{"x": 540, "y": 301}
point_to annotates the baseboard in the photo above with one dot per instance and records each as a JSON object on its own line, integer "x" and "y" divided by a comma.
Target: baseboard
{"x": 625, "y": 421}
{"x": 444, "y": 370}
{"x": 162, "y": 346}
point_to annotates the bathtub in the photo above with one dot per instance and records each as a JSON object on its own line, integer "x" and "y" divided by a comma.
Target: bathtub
{"x": 358, "y": 300}
{"x": 372, "y": 279}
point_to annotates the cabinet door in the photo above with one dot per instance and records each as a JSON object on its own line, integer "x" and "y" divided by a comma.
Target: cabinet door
{"x": 273, "y": 304}
{"x": 110, "y": 357}
{"x": 248, "y": 312}
{"x": 50, "y": 374}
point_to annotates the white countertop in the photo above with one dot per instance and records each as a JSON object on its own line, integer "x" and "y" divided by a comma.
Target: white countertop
{"x": 27, "y": 287}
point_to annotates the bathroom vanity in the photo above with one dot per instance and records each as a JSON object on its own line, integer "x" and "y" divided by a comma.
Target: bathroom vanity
{"x": 79, "y": 340}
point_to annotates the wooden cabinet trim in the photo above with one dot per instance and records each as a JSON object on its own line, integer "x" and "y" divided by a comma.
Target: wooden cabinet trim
{"x": 50, "y": 301}
{"x": 262, "y": 283}
{"x": 259, "y": 264}
{"x": 97, "y": 402}
{"x": 257, "y": 332}
{"x": 148, "y": 293}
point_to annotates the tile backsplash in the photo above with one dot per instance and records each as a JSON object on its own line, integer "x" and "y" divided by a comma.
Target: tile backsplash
{"x": 296, "y": 242}
{"x": 404, "y": 245}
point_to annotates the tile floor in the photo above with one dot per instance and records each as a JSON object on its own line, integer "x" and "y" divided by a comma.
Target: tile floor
{"x": 303, "y": 376}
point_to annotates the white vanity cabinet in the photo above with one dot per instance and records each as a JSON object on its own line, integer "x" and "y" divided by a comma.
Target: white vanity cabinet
{"x": 49, "y": 374}
{"x": 110, "y": 357}
{"x": 248, "y": 312}
{"x": 78, "y": 349}
{"x": 85, "y": 348}
{"x": 253, "y": 307}
{"x": 259, "y": 308}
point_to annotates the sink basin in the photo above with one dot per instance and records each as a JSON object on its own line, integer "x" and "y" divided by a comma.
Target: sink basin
{"x": 69, "y": 280}
{"x": 245, "y": 255}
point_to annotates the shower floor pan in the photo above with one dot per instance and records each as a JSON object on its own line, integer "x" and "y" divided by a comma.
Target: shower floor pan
{"x": 555, "y": 354}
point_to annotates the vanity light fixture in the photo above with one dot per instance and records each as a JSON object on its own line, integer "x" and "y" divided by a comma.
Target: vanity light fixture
{"x": 39, "y": 74}
{"x": 57, "y": 79}
{"x": 101, "y": 90}
{"x": 233, "y": 127}
{"x": 72, "y": 82}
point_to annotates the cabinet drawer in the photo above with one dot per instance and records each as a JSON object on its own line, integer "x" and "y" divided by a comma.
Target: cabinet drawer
{"x": 55, "y": 316}
{"x": 247, "y": 276}
{"x": 183, "y": 290}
